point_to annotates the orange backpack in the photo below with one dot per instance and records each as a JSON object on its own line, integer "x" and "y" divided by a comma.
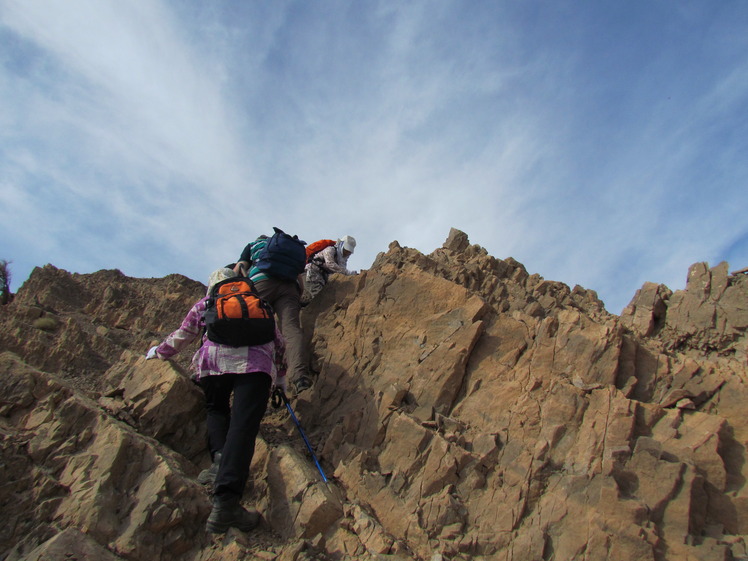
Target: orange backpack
{"x": 237, "y": 316}
{"x": 315, "y": 247}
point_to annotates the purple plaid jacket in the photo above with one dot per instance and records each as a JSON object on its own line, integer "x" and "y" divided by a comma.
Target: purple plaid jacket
{"x": 213, "y": 359}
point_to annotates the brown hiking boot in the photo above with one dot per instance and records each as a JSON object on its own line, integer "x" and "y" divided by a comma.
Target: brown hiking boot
{"x": 229, "y": 513}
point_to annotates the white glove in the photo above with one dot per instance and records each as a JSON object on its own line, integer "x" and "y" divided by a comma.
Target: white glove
{"x": 151, "y": 353}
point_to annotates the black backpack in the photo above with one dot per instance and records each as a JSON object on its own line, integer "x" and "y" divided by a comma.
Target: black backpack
{"x": 236, "y": 316}
{"x": 283, "y": 257}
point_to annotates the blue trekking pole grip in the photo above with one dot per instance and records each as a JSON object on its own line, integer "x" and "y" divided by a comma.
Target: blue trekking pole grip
{"x": 301, "y": 432}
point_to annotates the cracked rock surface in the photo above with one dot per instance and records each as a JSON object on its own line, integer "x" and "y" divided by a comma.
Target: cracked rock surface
{"x": 461, "y": 408}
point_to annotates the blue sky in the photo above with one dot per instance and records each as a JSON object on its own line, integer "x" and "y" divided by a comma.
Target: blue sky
{"x": 599, "y": 143}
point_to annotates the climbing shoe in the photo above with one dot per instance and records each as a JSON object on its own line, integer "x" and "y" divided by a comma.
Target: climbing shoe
{"x": 229, "y": 513}
{"x": 303, "y": 383}
{"x": 208, "y": 476}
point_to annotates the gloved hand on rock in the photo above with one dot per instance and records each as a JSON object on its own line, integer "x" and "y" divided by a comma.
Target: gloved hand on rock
{"x": 151, "y": 353}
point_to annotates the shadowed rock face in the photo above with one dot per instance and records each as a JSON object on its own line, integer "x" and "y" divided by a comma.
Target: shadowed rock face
{"x": 462, "y": 407}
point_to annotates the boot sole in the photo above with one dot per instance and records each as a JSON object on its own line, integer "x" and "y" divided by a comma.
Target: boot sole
{"x": 221, "y": 528}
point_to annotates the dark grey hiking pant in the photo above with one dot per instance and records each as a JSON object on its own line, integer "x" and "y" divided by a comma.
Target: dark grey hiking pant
{"x": 285, "y": 298}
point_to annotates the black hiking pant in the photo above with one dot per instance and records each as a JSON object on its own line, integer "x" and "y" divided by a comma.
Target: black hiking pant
{"x": 233, "y": 426}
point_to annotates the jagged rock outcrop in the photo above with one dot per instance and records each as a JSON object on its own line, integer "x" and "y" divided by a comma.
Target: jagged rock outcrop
{"x": 74, "y": 467}
{"x": 77, "y": 326}
{"x": 498, "y": 414}
{"x": 462, "y": 408}
{"x": 709, "y": 317}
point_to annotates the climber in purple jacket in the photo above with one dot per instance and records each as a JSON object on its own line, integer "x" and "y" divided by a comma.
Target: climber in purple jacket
{"x": 248, "y": 373}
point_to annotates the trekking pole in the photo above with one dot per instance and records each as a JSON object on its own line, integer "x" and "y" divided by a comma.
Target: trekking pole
{"x": 280, "y": 393}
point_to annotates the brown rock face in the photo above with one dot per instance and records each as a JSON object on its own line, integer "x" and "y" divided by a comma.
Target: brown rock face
{"x": 709, "y": 317}
{"x": 462, "y": 408}
{"x": 77, "y": 326}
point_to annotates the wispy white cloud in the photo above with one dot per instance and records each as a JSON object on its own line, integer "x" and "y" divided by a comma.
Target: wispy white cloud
{"x": 125, "y": 122}
{"x": 160, "y": 137}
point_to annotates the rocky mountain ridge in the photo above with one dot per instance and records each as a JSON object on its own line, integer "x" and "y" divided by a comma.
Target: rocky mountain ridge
{"x": 463, "y": 409}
